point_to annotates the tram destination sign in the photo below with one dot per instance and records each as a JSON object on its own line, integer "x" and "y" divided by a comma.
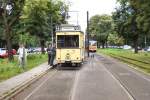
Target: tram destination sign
{"x": 68, "y": 28}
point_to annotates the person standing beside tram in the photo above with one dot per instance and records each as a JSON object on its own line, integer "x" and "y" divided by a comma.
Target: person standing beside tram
{"x": 49, "y": 53}
{"x": 51, "y": 50}
{"x": 53, "y": 53}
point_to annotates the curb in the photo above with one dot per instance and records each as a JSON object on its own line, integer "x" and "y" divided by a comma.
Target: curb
{"x": 14, "y": 91}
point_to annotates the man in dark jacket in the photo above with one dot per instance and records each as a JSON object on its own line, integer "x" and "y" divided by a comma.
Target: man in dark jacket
{"x": 53, "y": 53}
{"x": 49, "y": 53}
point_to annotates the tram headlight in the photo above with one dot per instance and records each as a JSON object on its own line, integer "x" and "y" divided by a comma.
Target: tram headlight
{"x": 67, "y": 56}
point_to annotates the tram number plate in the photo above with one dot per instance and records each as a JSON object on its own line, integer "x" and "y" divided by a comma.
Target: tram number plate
{"x": 67, "y": 61}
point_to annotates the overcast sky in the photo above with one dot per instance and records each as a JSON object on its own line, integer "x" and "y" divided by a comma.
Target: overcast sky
{"x": 93, "y": 6}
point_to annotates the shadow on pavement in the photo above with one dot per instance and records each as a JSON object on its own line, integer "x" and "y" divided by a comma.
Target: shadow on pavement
{"x": 68, "y": 67}
{"x": 54, "y": 66}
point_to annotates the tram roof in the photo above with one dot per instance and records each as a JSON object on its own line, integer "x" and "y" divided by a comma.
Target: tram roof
{"x": 92, "y": 41}
{"x": 68, "y": 28}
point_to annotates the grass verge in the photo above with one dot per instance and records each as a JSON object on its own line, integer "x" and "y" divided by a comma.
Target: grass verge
{"x": 8, "y": 70}
{"x": 140, "y": 60}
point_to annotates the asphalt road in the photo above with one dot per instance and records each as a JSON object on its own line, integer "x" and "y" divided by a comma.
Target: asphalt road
{"x": 99, "y": 78}
{"x": 135, "y": 82}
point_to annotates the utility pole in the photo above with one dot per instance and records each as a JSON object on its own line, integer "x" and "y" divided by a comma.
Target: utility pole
{"x": 87, "y": 33}
{"x": 52, "y": 33}
{"x": 77, "y": 18}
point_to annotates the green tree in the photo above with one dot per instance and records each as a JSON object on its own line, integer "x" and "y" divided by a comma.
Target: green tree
{"x": 10, "y": 12}
{"x": 100, "y": 27}
{"x": 39, "y": 16}
{"x": 126, "y": 23}
{"x": 114, "y": 39}
{"x": 143, "y": 18}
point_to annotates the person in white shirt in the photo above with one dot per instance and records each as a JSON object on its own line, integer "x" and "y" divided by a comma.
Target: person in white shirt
{"x": 22, "y": 56}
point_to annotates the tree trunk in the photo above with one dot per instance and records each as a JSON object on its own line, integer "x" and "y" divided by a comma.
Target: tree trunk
{"x": 42, "y": 42}
{"x": 9, "y": 47}
{"x": 136, "y": 43}
{"x": 9, "y": 44}
{"x": 106, "y": 44}
{"x": 98, "y": 44}
{"x": 103, "y": 45}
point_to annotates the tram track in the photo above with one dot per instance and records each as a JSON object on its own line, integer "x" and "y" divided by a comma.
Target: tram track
{"x": 55, "y": 84}
{"x": 15, "y": 91}
{"x": 127, "y": 77}
{"x": 40, "y": 85}
{"x": 145, "y": 62}
{"x": 141, "y": 64}
{"x": 119, "y": 82}
{"x": 66, "y": 83}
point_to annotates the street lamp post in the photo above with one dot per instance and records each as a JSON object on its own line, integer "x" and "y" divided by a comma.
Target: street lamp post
{"x": 88, "y": 33}
{"x": 52, "y": 33}
{"x": 51, "y": 26}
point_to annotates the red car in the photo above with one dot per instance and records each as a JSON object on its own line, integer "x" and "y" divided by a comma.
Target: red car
{"x": 4, "y": 52}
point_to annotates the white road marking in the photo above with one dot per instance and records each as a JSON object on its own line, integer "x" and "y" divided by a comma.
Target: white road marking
{"x": 73, "y": 91}
{"x": 118, "y": 82}
{"x": 131, "y": 98}
{"x": 140, "y": 75}
{"x": 37, "y": 88}
{"x": 133, "y": 70}
{"x": 124, "y": 74}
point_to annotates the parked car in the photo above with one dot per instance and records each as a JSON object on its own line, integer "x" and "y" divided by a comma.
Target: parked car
{"x": 14, "y": 52}
{"x": 4, "y": 52}
{"x": 139, "y": 48}
{"x": 30, "y": 50}
{"x": 127, "y": 47}
{"x": 148, "y": 49}
{"x": 37, "y": 49}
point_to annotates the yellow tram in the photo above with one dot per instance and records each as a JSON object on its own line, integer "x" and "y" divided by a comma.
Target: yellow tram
{"x": 69, "y": 44}
{"x": 92, "y": 46}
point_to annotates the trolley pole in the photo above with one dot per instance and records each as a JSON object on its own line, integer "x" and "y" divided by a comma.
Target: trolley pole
{"x": 87, "y": 33}
{"x": 52, "y": 33}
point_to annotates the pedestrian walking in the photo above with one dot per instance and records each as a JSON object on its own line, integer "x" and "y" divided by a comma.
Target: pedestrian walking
{"x": 22, "y": 57}
{"x": 92, "y": 55}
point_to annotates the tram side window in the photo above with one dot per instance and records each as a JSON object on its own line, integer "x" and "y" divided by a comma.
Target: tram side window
{"x": 67, "y": 41}
{"x": 60, "y": 41}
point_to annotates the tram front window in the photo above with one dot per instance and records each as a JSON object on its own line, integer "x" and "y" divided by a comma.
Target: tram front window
{"x": 67, "y": 41}
{"x": 93, "y": 43}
